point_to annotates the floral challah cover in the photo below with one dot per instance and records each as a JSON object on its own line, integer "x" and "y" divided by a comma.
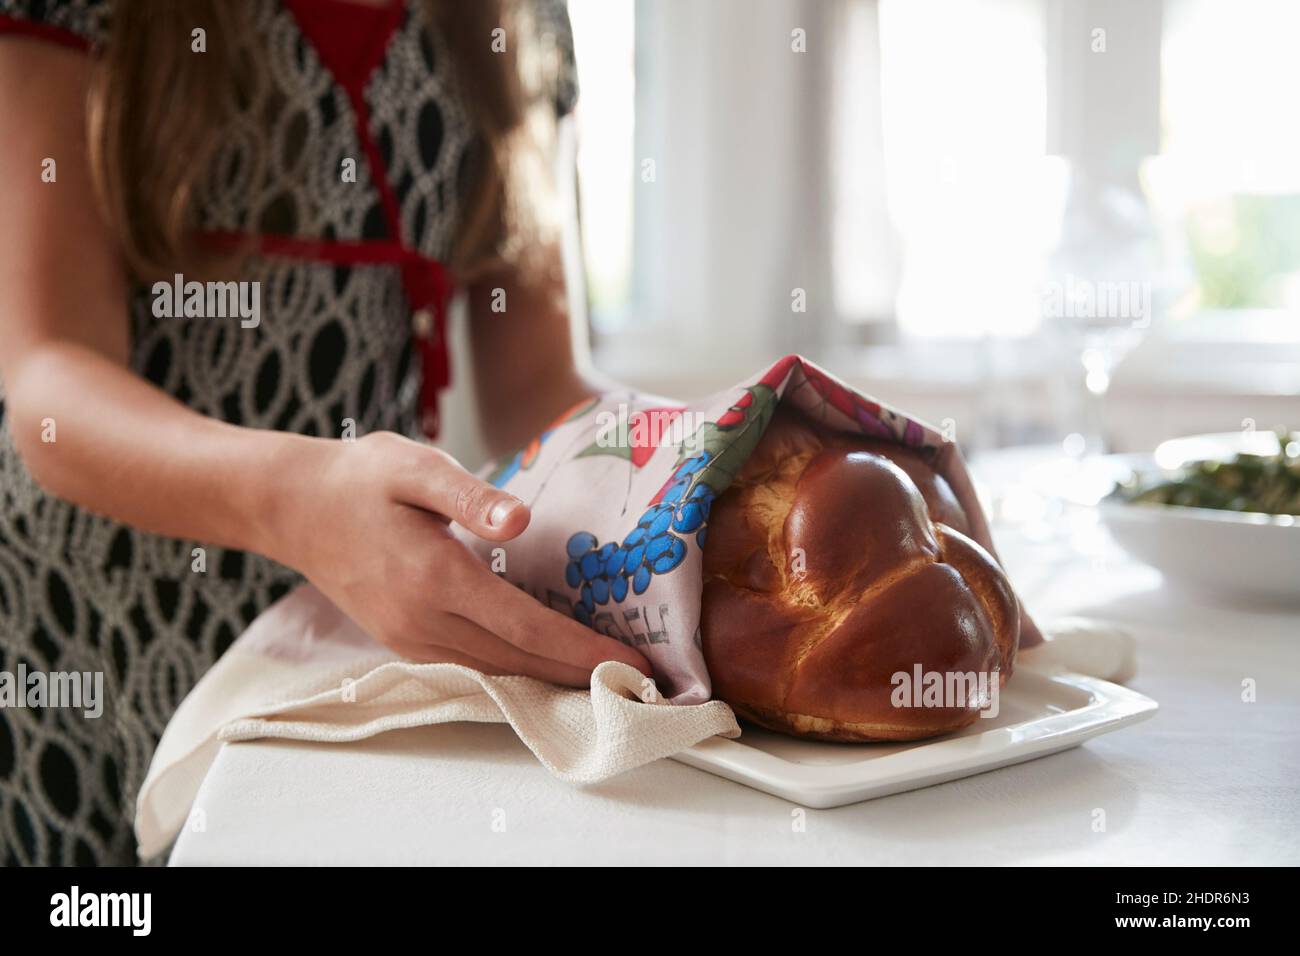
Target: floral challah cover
{"x": 620, "y": 487}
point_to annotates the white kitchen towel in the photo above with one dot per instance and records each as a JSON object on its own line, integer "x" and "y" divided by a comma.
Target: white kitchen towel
{"x": 305, "y": 671}
{"x": 1082, "y": 645}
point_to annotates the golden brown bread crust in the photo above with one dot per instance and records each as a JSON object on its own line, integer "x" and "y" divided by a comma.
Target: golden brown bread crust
{"x": 834, "y": 562}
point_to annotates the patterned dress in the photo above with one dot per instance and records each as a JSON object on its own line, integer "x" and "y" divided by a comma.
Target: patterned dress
{"x": 352, "y": 302}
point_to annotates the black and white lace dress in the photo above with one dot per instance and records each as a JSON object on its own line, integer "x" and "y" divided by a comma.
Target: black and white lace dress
{"x": 351, "y": 296}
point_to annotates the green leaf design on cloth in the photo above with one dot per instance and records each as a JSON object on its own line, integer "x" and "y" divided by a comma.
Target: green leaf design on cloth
{"x": 732, "y": 438}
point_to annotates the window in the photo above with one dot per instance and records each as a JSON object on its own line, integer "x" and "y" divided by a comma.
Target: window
{"x": 957, "y": 135}
{"x": 604, "y": 42}
{"x": 1227, "y": 182}
{"x": 962, "y": 89}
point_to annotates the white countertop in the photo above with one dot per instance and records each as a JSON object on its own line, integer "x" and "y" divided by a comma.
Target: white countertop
{"x": 1209, "y": 780}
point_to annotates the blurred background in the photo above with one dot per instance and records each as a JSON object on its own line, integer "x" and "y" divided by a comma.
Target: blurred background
{"x": 1035, "y": 221}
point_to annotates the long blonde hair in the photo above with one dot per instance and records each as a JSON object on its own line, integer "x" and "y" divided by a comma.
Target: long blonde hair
{"x": 155, "y": 110}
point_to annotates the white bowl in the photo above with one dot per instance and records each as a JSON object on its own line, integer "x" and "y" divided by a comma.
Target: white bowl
{"x": 1231, "y": 553}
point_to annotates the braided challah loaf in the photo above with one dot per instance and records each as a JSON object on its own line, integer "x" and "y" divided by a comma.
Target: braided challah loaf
{"x": 833, "y": 563}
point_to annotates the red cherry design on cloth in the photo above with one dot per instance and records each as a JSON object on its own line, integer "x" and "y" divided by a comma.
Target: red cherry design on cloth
{"x": 645, "y": 430}
{"x": 778, "y": 372}
{"x": 736, "y": 413}
{"x": 835, "y": 394}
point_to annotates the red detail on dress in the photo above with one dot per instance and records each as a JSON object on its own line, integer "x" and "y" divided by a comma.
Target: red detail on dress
{"x": 426, "y": 282}
{"x": 349, "y": 37}
{"x": 43, "y": 31}
{"x": 351, "y": 40}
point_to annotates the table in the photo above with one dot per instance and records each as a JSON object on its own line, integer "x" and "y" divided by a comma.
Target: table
{"x": 1211, "y": 779}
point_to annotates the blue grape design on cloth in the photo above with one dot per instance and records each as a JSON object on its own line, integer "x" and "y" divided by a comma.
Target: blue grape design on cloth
{"x": 656, "y": 545}
{"x": 707, "y": 463}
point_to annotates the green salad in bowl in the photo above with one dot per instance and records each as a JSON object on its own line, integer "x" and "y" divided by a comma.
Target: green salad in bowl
{"x": 1251, "y": 483}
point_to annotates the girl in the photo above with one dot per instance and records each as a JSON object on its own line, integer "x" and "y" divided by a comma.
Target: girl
{"x": 340, "y": 166}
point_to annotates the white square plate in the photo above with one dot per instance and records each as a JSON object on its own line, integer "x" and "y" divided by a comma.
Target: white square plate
{"x": 1039, "y": 714}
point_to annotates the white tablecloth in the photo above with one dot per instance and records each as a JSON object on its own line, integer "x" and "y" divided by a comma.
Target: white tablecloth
{"x": 1210, "y": 779}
